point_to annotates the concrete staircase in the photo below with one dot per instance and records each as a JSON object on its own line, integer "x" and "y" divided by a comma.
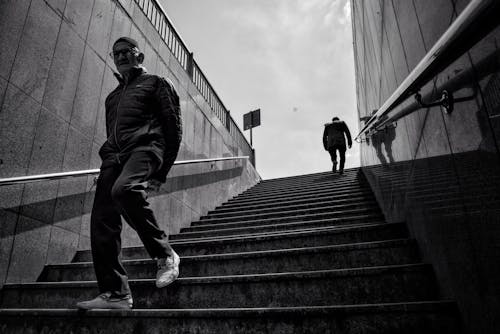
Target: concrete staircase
{"x": 305, "y": 254}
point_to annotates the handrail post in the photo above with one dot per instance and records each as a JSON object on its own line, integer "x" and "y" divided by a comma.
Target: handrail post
{"x": 190, "y": 65}
{"x": 228, "y": 121}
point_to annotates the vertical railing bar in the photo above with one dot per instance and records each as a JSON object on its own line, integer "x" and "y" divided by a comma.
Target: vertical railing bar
{"x": 153, "y": 16}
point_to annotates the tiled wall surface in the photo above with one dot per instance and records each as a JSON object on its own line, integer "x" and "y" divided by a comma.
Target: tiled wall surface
{"x": 438, "y": 172}
{"x": 55, "y": 73}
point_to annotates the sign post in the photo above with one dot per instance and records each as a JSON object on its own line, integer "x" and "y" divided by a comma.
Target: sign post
{"x": 250, "y": 121}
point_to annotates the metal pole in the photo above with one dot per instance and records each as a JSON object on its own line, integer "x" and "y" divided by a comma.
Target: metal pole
{"x": 251, "y": 141}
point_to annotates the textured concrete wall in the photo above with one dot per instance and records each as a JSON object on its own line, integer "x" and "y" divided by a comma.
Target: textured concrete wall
{"x": 55, "y": 74}
{"x": 428, "y": 146}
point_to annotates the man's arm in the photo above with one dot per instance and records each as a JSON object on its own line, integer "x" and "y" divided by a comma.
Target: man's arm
{"x": 325, "y": 138}
{"x": 348, "y": 135}
{"x": 170, "y": 117}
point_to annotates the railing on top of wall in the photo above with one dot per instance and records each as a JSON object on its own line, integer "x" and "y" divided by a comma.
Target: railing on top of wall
{"x": 159, "y": 19}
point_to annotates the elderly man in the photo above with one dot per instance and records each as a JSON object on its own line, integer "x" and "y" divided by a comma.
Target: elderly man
{"x": 144, "y": 131}
{"x": 334, "y": 140}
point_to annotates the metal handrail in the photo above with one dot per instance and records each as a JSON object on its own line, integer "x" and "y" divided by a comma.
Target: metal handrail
{"x": 63, "y": 175}
{"x": 478, "y": 19}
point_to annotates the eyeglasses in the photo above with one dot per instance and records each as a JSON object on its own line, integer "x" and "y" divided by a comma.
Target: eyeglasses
{"x": 125, "y": 52}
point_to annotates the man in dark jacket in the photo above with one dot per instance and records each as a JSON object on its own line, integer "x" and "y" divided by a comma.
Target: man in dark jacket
{"x": 144, "y": 131}
{"x": 333, "y": 140}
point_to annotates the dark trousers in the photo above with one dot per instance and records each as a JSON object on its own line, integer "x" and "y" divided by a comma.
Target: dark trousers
{"x": 333, "y": 155}
{"x": 121, "y": 190}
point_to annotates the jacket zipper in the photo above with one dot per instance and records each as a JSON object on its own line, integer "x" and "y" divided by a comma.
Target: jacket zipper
{"x": 116, "y": 117}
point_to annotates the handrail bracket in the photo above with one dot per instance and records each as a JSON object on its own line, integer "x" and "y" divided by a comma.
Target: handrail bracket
{"x": 447, "y": 102}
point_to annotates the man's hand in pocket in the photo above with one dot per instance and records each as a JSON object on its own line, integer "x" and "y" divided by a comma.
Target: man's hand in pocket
{"x": 154, "y": 186}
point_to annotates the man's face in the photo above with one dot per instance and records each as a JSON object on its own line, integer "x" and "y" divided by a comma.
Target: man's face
{"x": 126, "y": 56}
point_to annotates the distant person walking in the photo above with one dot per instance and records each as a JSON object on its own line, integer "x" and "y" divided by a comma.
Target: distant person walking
{"x": 144, "y": 130}
{"x": 334, "y": 140}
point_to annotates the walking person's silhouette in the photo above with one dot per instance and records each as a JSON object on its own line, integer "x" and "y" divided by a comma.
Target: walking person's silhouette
{"x": 334, "y": 140}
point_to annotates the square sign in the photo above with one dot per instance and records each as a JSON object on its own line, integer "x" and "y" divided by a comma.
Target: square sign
{"x": 251, "y": 119}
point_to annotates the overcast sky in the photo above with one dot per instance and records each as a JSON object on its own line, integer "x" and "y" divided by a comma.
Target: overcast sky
{"x": 293, "y": 59}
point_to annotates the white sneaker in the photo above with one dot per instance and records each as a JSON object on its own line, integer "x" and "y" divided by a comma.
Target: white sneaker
{"x": 168, "y": 270}
{"x": 105, "y": 301}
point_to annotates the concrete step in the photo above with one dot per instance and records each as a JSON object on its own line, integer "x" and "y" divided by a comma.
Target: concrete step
{"x": 369, "y": 254}
{"x": 271, "y": 225}
{"x": 328, "y": 208}
{"x": 297, "y": 185}
{"x": 353, "y": 172}
{"x": 385, "y": 284}
{"x": 272, "y": 241}
{"x": 321, "y": 188}
{"x": 305, "y": 221}
{"x": 298, "y": 196}
{"x": 294, "y": 201}
{"x": 292, "y": 216}
{"x": 325, "y": 177}
{"x": 333, "y": 188}
{"x": 353, "y": 203}
{"x": 325, "y": 180}
{"x": 437, "y": 317}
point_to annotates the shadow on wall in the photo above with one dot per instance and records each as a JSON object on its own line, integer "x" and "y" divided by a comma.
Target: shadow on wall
{"x": 75, "y": 202}
{"x": 384, "y": 137}
{"x": 490, "y": 112}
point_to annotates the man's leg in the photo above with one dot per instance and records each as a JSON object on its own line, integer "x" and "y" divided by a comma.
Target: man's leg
{"x": 105, "y": 229}
{"x": 342, "y": 158}
{"x": 129, "y": 194}
{"x": 333, "y": 156}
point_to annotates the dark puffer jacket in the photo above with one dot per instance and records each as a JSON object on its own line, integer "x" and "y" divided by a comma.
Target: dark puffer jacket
{"x": 143, "y": 114}
{"x": 333, "y": 135}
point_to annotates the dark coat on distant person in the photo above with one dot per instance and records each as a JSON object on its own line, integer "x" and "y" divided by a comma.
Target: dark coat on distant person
{"x": 143, "y": 114}
{"x": 334, "y": 135}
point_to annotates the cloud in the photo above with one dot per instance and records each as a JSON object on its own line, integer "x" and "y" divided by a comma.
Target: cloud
{"x": 291, "y": 58}
{"x": 346, "y": 18}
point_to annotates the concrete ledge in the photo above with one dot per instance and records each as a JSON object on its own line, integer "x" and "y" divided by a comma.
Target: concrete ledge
{"x": 230, "y": 312}
{"x": 423, "y": 317}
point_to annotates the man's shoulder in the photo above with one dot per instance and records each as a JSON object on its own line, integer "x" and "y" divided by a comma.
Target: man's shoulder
{"x": 148, "y": 77}
{"x": 334, "y": 123}
{"x": 115, "y": 91}
{"x": 159, "y": 80}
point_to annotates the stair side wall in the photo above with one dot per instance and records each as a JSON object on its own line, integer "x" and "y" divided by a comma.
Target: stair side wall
{"x": 55, "y": 74}
{"x": 454, "y": 220}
